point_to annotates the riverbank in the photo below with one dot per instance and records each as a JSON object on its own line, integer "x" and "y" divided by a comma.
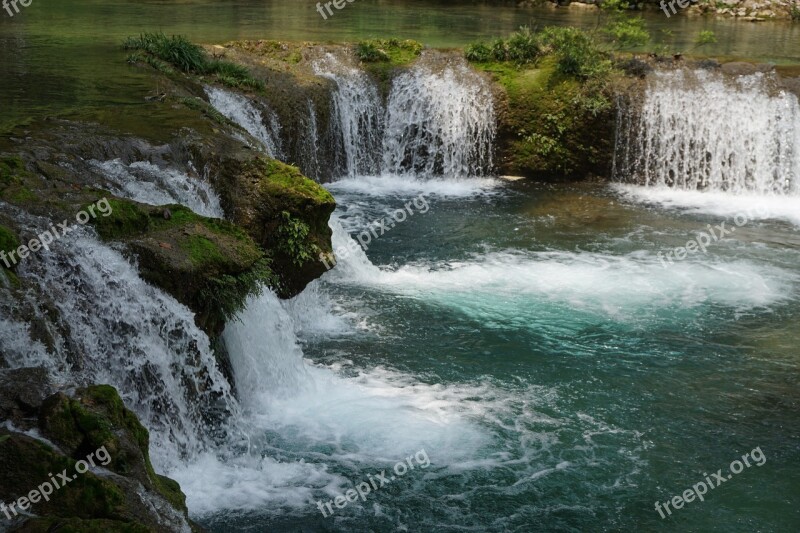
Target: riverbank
{"x": 747, "y": 10}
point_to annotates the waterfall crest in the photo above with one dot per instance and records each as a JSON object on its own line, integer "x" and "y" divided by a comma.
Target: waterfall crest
{"x": 357, "y": 114}
{"x": 244, "y": 112}
{"x": 440, "y": 121}
{"x": 700, "y": 131}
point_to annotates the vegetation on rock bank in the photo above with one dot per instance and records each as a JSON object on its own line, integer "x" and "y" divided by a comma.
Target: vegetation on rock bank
{"x": 557, "y": 115}
{"x": 210, "y": 265}
{"x": 165, "y": 53}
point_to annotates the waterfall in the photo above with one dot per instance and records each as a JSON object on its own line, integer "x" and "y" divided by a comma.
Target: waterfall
{"x": 701, "y": 131}
{"x": 309, "y": 145}
{"x": 148, "y": 184}
{"x": 358, "y": 114}
{"x": 244, "y": 112}
{"x": 114, "y": 328}
{"x": 266, "y": 359}
{"x": 439, "y": 122}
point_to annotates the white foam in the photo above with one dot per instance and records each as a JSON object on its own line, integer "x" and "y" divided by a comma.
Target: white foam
{"x": 244, "y": 112}
{"x": 395, "y": 185}
{"x": 722, "y": 204}
{"x": 311, "y": 418}
{"x": 508, "y": 285}
{"x": 148, "y": 184}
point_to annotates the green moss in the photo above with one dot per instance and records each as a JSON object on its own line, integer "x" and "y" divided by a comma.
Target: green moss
{"x": 201, "y": 250}
{"x": 127, "y": 218}
{"x": 26, "y": 461}
{"x": 394, "y": 51}
{"x": 13, "y": 176}
{"x": 98, "y": 418}
{"x": 11, "y": 168}
{"x": 554, "y": 119}
{"x": 8, "y": 240}
{"x": 78, "y": 525}
{"x": 281, "y": 179}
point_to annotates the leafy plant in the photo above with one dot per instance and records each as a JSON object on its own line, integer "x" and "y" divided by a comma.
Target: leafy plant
{"x": 369, "y": 52}
{"x": 478, "y": 52}
{"x": 576, "y": 54}
{"x": 499, "y": 50}
{"x": 705, "y": 37}
{"x": 523, "y": 46}
{"x": 228, "y": 294}
{"x": 293, "y": 234}
{"x": 176, "y": 50}
{"x": 627, "y": 32}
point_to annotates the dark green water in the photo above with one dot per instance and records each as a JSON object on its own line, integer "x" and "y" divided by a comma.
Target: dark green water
{"x": 58, "y": 56}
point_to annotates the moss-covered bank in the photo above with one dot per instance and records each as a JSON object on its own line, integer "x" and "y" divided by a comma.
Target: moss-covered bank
{"x": 127, "y": 496}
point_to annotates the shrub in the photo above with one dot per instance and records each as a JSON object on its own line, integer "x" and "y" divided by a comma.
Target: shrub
{"x": 705, "y": 37}
{"x": 576, "y": 54}
{"x": 523, "y": 46}
{"x": 499, "y": 50}
{"x": 478, "y": 53}
{"x": 369, "y": 52}
{"x": 627, "y": 32}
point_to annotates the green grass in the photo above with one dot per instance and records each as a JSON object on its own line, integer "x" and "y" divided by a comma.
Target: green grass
{"x": 8, "y": 242}
{"x": 281, "y": 179}
{"x": 164, "y": 52}
{"x": 394, "y": 51}
{"x": 10, "y": 170}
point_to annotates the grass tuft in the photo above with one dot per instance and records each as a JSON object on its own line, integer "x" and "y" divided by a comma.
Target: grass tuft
{"x": 164, "y": 52}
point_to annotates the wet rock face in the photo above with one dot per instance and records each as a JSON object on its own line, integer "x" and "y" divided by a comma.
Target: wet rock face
{"x": 80, "y": 460}
{"x": 283, "y": 211}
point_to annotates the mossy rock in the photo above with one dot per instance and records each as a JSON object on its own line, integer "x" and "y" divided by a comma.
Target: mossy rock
{"x": 78, "y": 525}
{"x": 28, "y": 463}
{"x": 14, "y": 178}
{"x": 288, "y": 215}
{"x": 8, "y": 243}
{"x": 96, "y": 418}
{"x": 550, "y": 125}
{"x": 210, "y": 265}
{"x": 11, "y": 169}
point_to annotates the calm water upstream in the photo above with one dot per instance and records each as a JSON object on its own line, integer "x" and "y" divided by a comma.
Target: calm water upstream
{"x": 56, "y": 56}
